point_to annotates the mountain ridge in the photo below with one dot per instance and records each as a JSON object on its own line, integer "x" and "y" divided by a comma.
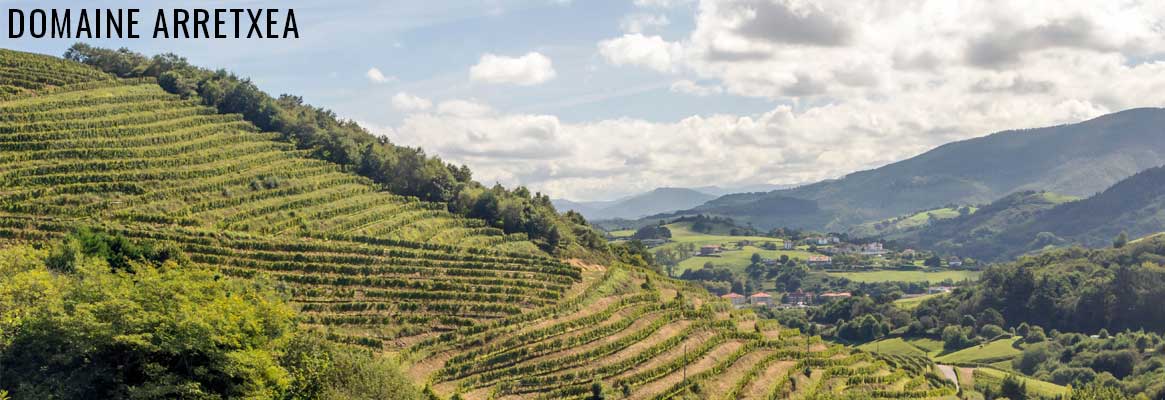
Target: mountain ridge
{"x": 1076, "y": 159}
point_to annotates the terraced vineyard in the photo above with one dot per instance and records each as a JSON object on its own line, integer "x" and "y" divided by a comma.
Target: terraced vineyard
{"x": 647, "y": 337}
{"x": 470, "y": 309}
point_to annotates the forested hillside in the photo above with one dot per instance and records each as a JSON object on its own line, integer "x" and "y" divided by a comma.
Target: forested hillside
{"x": 1031, "y": 221}
{"x": 1079, "y": 159}
{"x": 135, "y": 220}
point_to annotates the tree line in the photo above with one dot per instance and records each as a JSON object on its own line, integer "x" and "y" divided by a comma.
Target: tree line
{"x": 399, "y": 169}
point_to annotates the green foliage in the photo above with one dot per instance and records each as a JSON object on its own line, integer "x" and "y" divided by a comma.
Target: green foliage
{"x": 1013, "y": 389}
{"x": 956, "y": 337}
{"x": 158, "y": 329}
{"x": 652, "y": 232}
{"x": 1096, "y": 391}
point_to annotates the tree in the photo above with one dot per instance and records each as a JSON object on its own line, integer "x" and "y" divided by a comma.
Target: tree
{"x": 1013, "y": 389}
{"x": 596, "y": 391}
{"x": 933, "y": 261}
{"x": 1121, "y": 240}
{"x": 1096, "y": 391}
{"x": 990, "y": 331}
{"x": 955, "y": 338}
{"x": 1035, "y": 335}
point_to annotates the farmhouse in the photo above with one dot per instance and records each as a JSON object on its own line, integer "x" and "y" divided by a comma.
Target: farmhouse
{"x": 873, "y": 249}
{"x": 761, "y": 299}
{"x": 799, "y": 298}
{"x": 819, "y": 260}
{"x": 954, "y": 262}
{"x": 736, "y": 299}
{"x": 709, "y": 250}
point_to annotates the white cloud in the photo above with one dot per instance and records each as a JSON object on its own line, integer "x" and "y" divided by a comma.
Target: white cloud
{"x": 644, "y": 51}
{"x": 376, "y": 76}
{"x": 639, "y": 23}
{"x": 463, "y": 108}
{"x": 881, "y": 81}
{"x": 408, "y": 103}
{"x": 530, "y": 69}
{"x": 659, "y": 3}
{"x": 688, "y": 87}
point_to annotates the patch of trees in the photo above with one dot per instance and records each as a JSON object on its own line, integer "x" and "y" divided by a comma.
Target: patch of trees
{"x": 400, "y": 169}
{"x": 1133, "y": 362}
{"x": 155, "y": 327}
{"x": 652, "y": 232}
{"x": 1073, "y": 290}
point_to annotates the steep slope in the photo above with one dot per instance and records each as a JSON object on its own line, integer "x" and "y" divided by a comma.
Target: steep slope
{"x": 468, "y": 308}
{"x": 1078, "y": 159}
{"x": 1031, "y": 221}
{"x": 657, "y": 201}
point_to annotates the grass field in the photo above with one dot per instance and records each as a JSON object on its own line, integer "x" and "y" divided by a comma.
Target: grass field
{"x": 893, "y": 346}
{"x": 1042, "y": 388}
{"x": 913, "y": 302}
{"x": 905, "y": 346}
{"x": 681, "y": 233}
{"x": 737, "y": 260}
{"x": 908, "y": 276}
{"x": 1002, "y": 349}
{"x": 625, "y": 233}
{"x": 915, "y": 220}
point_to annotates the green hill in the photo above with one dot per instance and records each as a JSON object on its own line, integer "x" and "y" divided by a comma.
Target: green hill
{"x": 1030, "y": 221}
{"x": 1077, "y": 159}
{"x": 464, "y": 306}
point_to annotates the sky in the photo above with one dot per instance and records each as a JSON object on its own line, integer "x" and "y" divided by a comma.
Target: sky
{"x": 597, "y": 99}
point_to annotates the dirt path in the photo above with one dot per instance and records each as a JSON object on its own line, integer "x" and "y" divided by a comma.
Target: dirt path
{"x": 949, "y": 372}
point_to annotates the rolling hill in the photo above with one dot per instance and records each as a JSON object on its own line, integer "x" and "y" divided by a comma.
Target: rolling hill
{"x": 1076, "y": 159}
{"x": 657, "y": 201}
{"x": 467, "y": 308}
{"x": 1029, "y": 221}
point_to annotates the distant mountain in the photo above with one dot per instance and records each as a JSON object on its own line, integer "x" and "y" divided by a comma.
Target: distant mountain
{"x": 1028, "y": 221}
{"x": 657, "y": 201}
{"x": 726, "y": 190}
{"x": 1077, "y": 159}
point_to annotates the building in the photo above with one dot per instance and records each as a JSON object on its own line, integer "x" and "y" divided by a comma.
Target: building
{"x": 954, "y": 262}
{"x": 831, "y": 296}
{"x": 769, "y": 262}
{"x": 908, "y": 253}
{"x": 790, "y": 245}
{"x": 939, "y": 289}
{"x": 736, "y": 299}
{"x": 821, "y": 241}
{"x": 819, "y": 260}
{"x": 761, "y": 299}
{"x": 709, "y": 250}
{"x": 872, "y": 249}
{"x": 799, "y": 298}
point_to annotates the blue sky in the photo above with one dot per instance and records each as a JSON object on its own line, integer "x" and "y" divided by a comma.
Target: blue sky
{"x": 597, "y": 99}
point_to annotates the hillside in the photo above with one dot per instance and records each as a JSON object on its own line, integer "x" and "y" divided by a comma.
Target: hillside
{"x": 902, "y": 223}
{"x": 657, "y": 201}
{"x": 463, "y": 305}
{"x": 1032, "y": 221}
{"x": 1077, "y": 159}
